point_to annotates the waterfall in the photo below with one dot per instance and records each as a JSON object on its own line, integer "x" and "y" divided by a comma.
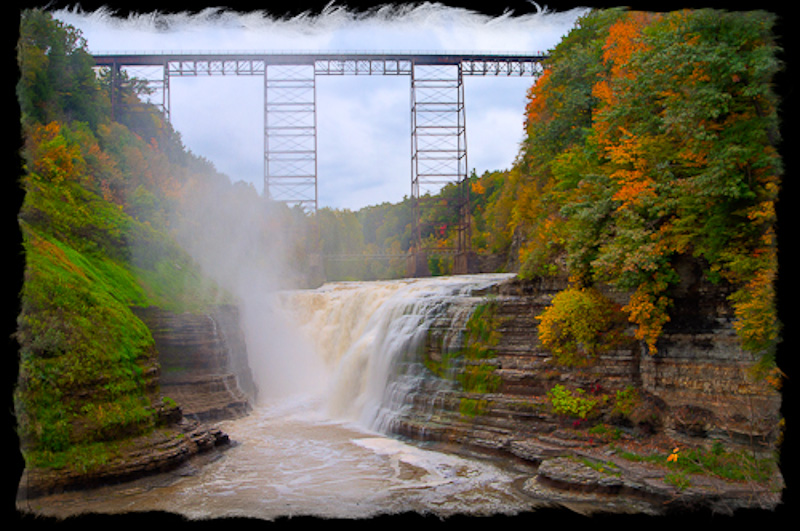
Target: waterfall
{"x": 368, "y": 334}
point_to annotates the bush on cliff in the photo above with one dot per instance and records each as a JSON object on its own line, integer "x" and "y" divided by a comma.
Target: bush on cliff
{"x": 579, "y": 325}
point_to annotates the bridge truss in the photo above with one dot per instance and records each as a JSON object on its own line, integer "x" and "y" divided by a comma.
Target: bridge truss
{"x": 438, "y": 117}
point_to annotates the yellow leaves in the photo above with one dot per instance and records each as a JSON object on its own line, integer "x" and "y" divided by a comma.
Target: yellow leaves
{"x": 602, "y": 91}
{"x": 477, "y": 188}
{"x": 624, "y": 39}
{"x": 628, "y": 154}
{"x": 579, "y": 324}
{"x": 693, "y": 158}
{"x": 537, "y": 107}
{"x": 634, "y": 187}
{"x": 762, "y": 212}
{"x": 626, "y": 150}
{"x": 756, "y": 321}
{"x": 699, "y": 73}
{"x": 53, "y": 158}
{"x": 649, "y": 311}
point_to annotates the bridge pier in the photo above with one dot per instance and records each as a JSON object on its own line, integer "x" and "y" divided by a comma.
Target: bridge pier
{"x": 439, "y": 150}
{"x": 290, "y": 134}
{"x": 465, "y": 263}
{"x": 417, "y": 265}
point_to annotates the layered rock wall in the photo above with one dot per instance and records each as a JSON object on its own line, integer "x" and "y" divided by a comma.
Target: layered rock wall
{"x": 203, "y": 362}
{"x": 203, "y": 375}
{"x": 697, "y": 388}
{"x": 695, "y": 392}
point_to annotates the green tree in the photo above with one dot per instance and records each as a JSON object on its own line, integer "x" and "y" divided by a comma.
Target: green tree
{"x": 57, "y": 81}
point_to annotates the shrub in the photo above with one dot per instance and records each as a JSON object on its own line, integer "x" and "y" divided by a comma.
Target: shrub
{"x": 573, "y": 404}
{"x": 579, "y": 324}
{"x": 626, "y": 400}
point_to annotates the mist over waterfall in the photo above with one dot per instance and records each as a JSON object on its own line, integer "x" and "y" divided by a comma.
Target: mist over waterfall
{"x": 362, "y": 333}
{"x": 341, "y": 345}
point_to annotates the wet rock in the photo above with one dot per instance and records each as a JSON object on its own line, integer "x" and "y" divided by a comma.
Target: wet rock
{"x": 696, "y": 389}
{"x": 203, "y": 362}
{"x": 609, "y": 484}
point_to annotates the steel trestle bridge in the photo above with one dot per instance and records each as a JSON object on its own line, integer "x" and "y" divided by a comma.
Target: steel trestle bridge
{"x": 438, "y": 125}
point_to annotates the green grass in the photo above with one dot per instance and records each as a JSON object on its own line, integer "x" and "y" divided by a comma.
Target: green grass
{"x": 83, "y": 352}
{"x": 732, "y": 465}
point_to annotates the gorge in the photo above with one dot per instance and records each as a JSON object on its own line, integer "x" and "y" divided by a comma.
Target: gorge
{"x": 404, "y": 416}
{"x": 178, "y": 352}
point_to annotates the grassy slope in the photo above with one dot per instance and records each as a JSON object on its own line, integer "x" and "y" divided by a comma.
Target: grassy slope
{"x": 86, "y": 361}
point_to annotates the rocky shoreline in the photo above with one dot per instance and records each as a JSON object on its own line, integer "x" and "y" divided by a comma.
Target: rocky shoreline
{"x": 590, "y": 476}
{"x": 598, "y": 480}
{"x": 694, "y": 394}
{"x": 160, "y": 451}
{"x": 202, "y": 380}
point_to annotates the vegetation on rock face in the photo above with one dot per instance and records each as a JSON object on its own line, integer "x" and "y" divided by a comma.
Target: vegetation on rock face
{"x": 96, "y": 222}
{"x": 580, "y": 324}
{"x": 571, "y": 403}
{"x": 470, "y": 365}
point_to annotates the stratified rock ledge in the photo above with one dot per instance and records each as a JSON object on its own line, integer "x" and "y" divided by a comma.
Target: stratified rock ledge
{"x": 160, "y": 451}
{"x": 593, "y": 485}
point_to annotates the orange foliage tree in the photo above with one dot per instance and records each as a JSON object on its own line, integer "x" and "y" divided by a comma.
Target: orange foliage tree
{"x": 652, "y": 137}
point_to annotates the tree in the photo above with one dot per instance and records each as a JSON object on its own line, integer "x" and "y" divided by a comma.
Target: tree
{"x": 651, "y": 138}
{"x": 57, "y": 81}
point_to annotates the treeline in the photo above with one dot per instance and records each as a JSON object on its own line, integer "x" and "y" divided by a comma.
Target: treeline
{"x": 651, "y": 142}
{"x": 374, "y": 242}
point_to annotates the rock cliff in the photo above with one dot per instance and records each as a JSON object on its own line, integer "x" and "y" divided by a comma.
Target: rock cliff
{"x": 202, "y": 377}
{"x": 203, "y": 362}
{"x": 696, "y": 393}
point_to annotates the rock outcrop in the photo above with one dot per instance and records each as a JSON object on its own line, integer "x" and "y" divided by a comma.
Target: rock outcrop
{"x": 202, "y": 378}
{"x": 162, "y": 450}
{"x": 203, "y": 362}
{"x": 695, "y": 392}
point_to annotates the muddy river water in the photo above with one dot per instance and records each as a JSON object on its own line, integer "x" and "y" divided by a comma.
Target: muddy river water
{"x": 288, "y": 461}
{"x": 316, "y": 445}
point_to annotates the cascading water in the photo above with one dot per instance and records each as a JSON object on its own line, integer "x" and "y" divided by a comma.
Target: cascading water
{"x": 349, "y": 351}
{"x": 367, "y": 334}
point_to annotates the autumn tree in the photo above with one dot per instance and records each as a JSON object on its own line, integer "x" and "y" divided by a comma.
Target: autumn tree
{"x": 662, "y": 146}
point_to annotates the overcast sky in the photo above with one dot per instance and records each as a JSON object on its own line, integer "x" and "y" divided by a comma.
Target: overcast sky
{"x": 363, "y": 122}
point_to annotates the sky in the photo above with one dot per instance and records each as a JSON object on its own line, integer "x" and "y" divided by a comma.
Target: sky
{"x": 363, "y": 122}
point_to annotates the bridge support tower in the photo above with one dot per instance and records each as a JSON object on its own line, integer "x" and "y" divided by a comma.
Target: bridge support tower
{"x": 438, "y": 121}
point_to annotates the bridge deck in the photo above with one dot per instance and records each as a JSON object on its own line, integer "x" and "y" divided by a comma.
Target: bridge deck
{"x": 477, "y": 63}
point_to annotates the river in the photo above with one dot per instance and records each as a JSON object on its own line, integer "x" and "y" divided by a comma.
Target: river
{"x": 322, "y": 451}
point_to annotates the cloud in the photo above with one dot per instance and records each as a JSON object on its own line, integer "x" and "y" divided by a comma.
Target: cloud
{"x": 363, "y": 132}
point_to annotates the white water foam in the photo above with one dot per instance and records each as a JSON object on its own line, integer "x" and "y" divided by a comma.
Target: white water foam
{"x": 361, "y": 330}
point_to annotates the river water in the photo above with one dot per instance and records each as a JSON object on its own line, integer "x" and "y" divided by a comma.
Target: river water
{"x": 322, "y": 452}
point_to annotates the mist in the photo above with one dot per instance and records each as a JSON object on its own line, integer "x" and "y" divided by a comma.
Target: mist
{"x": 245, "y": 244}
{"x": 248, "y": 245}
